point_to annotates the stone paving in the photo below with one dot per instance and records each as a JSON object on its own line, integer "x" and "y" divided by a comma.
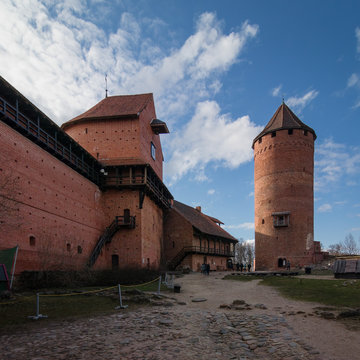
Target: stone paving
{"x": 162, "y": 332}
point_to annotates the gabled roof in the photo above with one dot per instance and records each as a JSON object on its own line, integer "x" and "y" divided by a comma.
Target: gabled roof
{"x": 201, "y": 221}
{"x": 114, "y": 107}
{"x": 283, "y": 119}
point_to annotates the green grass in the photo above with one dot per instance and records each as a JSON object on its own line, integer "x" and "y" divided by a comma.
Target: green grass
{"x": 339, "y": 293}
{"x": 15, "y": 314}
{"x": 327, "y": 292}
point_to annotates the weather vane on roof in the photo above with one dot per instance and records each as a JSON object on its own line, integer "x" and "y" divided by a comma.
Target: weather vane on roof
{"x": 283, "y": 99}
{"x": 106, "y": 89}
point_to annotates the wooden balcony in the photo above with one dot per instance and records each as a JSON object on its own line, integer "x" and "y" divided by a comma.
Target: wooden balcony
{"x": 141, "y": 177}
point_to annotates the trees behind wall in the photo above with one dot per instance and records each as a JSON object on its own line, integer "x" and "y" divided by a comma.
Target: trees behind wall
{"x": 347, "y": 247}
{"x": 244, "y": 252}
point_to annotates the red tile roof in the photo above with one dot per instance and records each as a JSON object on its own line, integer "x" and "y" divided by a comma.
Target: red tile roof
{"x": 114, "y": 106}
{"x": 202, "y": 222}
{"x": 283, "y": 119}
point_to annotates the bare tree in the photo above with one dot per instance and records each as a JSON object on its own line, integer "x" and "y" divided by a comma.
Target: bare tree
{"x": 244, "y": 252}
{"x": 348, "y": 247}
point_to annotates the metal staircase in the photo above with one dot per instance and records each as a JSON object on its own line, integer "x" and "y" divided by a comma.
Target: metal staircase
{"x": 118, "y": 223}
{"x": 179, "y": 257}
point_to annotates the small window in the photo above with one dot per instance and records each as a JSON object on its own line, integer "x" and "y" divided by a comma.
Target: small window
{"x": 281, "y": 219}
{"x": 68, "y": 247}
{"x": 260, "y": 140}
{"x": 290, "y": 131}
{"x": 305, "y": 132}
{"x": 263, "y": 221}
{"x": 173, "y": 244}
{"x": 273, "y": 134}
{"x": 153, "y": 151}
{"x": 79, "y": 249}
{"x": 32, "y": 240}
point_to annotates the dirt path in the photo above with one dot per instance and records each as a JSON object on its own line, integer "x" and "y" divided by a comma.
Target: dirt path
{"x": 329, "y": 337}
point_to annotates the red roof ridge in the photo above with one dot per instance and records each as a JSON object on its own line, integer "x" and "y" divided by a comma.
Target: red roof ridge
{"x": 111, "y": 107}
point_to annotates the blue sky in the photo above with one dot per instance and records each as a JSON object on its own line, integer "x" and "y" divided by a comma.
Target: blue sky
{"x": 218, "y": 71}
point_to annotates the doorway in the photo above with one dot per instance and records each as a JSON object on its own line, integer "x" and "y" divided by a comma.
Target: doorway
{"x": 115, "y": 261}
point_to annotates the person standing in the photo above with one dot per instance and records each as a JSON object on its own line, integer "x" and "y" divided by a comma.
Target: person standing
{"x": 249, "y": 267}
{"x": 207, "y": 269}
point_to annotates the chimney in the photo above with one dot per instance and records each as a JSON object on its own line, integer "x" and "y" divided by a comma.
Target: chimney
{"x": 198, "y": 208}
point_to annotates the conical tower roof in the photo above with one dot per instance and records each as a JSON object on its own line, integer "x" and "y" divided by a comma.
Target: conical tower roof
{"x": 283, "y": 119}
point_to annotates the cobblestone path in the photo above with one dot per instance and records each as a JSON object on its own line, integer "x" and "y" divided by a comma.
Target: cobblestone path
{"x": 175, "y": 332}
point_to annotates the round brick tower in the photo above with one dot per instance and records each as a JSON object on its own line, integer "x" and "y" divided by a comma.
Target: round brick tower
{"x": 284, "y": 196}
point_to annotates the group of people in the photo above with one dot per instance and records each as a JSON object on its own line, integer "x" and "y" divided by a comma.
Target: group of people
{"x": 242, "y": 267}
{"x": 205, "y": 269}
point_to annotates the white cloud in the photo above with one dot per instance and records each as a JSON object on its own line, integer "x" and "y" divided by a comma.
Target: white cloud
{"x": 246, "y": 225}
{"x": 343, "y": 202}
{"x": 324, "y": 208}
{"x": 250, "y": 242}
{"x": 211, "y": 192}
{"x": 353, "y": 80}
{"x": 251, "y": 194}
{"x": 299, "y": 103}
{"x": 201, "y": 142}
{"x": 57, "y": 56}
{"x": 334, "y": 162}
{"x": 276, "y": 91}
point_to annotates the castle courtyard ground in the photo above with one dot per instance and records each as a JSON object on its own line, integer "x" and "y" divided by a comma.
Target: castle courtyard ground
{"x": 260, "y": 324}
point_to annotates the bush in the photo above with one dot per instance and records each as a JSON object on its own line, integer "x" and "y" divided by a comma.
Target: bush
{"x": 29, "y": 280}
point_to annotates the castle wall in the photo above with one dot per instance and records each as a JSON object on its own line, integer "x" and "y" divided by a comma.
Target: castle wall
{"x": 178, "y": 233}
{"x": 152, "y": 234}
{"x": 283, "y": 177}
{"x": 148, "y": 136}
{"x": 108, "y": 139}
{"x": 57, "y": 217}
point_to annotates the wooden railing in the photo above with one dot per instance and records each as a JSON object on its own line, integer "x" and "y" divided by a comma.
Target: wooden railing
{"x": 33, "y": 130}
{"x": 186, "y": 250}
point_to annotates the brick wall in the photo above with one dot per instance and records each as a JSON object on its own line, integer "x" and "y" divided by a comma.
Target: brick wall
{"x": 178, "y": 233}
{"x": 57, "y": 207}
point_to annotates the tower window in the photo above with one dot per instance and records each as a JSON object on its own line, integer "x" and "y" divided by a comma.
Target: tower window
{"x": 305, "y": 132}
{"x": 260, "y": 140}
{"x": 153, "y": 151}
{"x": 281, "y": 219}
{"x": 273, "y": 134}
{"x": 290, "y": 131}
{"x": 263, "y": 221}
{"x": 68, "y": 247}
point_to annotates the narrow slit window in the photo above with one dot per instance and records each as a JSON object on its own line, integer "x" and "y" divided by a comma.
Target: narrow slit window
{"x": 153, "y": 151}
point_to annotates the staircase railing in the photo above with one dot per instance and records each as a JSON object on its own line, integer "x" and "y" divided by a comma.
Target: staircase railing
{"x": 119, "y": 221}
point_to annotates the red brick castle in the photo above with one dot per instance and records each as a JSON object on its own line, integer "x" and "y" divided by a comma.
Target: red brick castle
{"x": 91, "y": 192}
